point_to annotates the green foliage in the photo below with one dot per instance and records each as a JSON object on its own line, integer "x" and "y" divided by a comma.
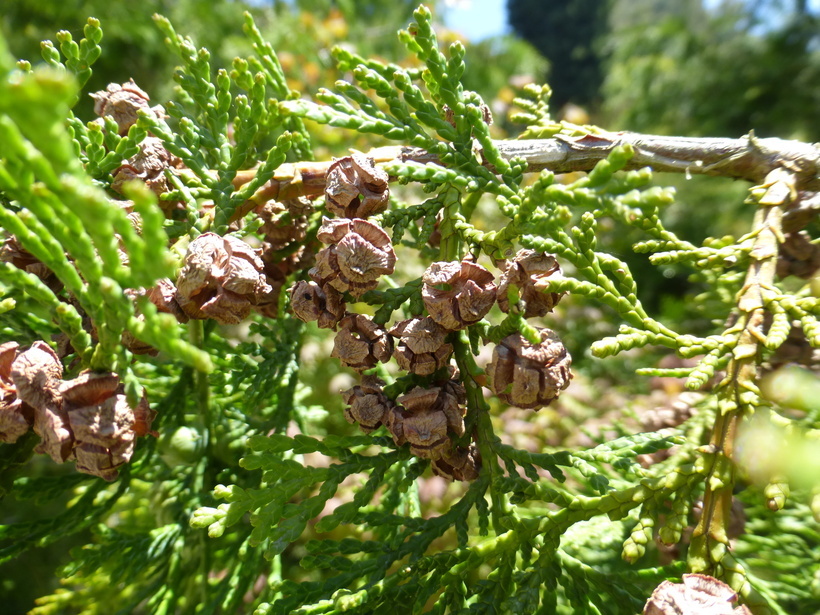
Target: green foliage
{"x": 63, "y": 219}
{"x": 673, "y": 67}
{"x": 257, "y": 497}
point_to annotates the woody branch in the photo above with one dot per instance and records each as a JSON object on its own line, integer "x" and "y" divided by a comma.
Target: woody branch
{"x": 747, "y": 158}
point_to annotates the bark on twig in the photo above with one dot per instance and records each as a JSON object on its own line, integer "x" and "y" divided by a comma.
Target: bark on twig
{"x": 746, "y": 158}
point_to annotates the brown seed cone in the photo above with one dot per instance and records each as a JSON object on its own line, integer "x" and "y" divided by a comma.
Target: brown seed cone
{"x": 699, "y": 594}
{"x": 796, "y": 349}
{"x": 530, "y": 271}
{"x": 285, "y": 222}
{"x": 37, "y": 374}
{"x": 101, "y": 421}
{"x": 457, "y": 294}
{"x": 143, "y": 417}
{"x": 675, "y": 413}
{"x": 12, "y": 252}
{"x": 360, "y": 343}
{"x": 356, "y": 188}
{"x": 222, "y": 279}
{"x": 420, "y": 348}
{"x": 530, "y": 375}
{"x": 424, "y": 418}
{"x": 87, "y": 418}
{"x": 122, "y": 102}
{"x": 16, "y": 416}
{"x": 458, "y": 464}
{"x": 367, "y": 404}
{"x": 163, "y": 295}
{"x": 148, "y": 166}
{"x": 309, "y": 302}
{"x": 798, "y": 256}
{"x": 277, "y": 269}
{"x": 358, "y": 254}
{"x": 801, "y": 211}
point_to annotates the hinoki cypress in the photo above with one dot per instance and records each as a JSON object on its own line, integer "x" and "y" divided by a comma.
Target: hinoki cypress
{"x": 159, "y": 266}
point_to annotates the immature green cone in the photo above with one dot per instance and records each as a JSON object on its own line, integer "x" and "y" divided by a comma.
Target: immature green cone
{"x": 530, "y": 375}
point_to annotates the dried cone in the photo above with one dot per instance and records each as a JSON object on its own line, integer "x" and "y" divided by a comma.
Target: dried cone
{"x": 530, "y": 272}
{"x": 530, "y": 375}
{"x": 798, "y": 256}
{"x": 672, "y": 414}
{"x": 102, "y": 423}
{"x": 143, "y": 417}
{"x": 12, "y": 252}
{"x": 367, "y": 404}
{"x": 284, "y": 223}
{"x": 457, "y": 294}
{"x": 699, "y": 594}
{"x": 37, "y": 374}
{"x": 122, "y": 102}
{"x": 163, "y": 296}
{"x": 360, "y": 343}
{"x": 426, "y": 416}
{"x": 801, "y": 211}
{"x": 16, "y": 416}
{"x": 310, "y": 302}
{"x": 458, "y": 464}
{"x": 222, "y": 279}
{"x": 87, "y": 419}
{"x": 277, "y": 270}
{"x": 421, "y": 348}
{"x": 148, "y": 166}
{"x": 796, "y": 349}
{"x": 356, "y": 188}
{"x": 358, "y": 254}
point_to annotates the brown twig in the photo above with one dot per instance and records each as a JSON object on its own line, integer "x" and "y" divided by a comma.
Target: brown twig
{"x": 747, "y": 158}
{"x": 738, "y": 390}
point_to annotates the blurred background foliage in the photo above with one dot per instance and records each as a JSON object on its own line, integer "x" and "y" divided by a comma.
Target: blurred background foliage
{"x": 682, "y": 67}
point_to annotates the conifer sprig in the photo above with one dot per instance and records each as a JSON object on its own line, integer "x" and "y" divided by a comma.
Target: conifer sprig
{"x": 249, "y": 478}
